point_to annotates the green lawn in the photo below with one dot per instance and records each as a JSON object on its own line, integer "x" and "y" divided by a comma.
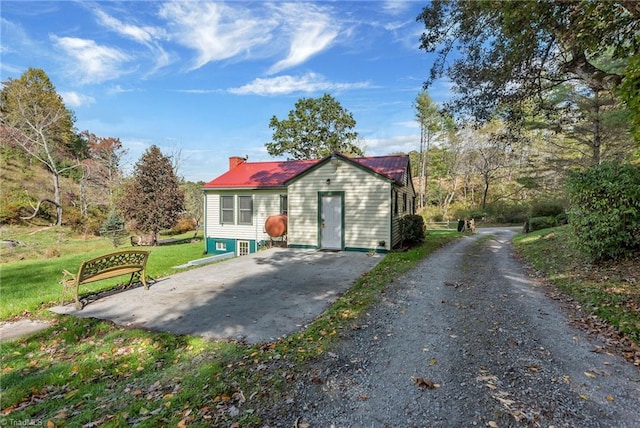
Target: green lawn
{"x": 34, "y": 284}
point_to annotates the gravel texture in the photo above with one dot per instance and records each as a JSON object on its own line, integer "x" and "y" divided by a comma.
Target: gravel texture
{"x": 467, "y": 338}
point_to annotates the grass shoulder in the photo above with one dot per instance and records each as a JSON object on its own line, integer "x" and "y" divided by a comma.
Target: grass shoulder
{"x": 608, "y": 290}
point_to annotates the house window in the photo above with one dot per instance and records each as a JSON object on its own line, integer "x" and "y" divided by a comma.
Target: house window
{"x": 226, "y": 209}
{"x": 395, "y": 202}
{"x": 221, "y": 246}
{"x": 245, "y": 210}
{"x": 243, "y": 248}
{"x": 404, "y": 202}
{"x": 284, "y": 204}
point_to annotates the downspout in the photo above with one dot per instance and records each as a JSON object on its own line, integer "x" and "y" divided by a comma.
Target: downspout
{"x": 390, "y": 217}
{"x": 204, "y": 223}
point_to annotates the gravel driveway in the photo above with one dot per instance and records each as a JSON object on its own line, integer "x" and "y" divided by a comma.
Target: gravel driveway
{"x": 466, "y": 339}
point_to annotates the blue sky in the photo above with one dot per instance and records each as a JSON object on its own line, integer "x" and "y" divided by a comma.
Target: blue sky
{"x": 203, "y": 79}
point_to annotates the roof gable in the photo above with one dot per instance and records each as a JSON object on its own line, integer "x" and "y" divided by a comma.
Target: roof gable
{"x": 255, "y": 175}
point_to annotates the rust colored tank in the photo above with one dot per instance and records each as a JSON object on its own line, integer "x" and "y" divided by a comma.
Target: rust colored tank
{"x": 276, "y": 225}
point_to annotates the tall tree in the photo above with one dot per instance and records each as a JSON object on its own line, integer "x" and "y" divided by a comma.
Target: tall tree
{"x": 431, "y": 121}
{"x": 153, "y": 199}
{"x": 489, "y": 154}
{"x": 516, "y": 50}
{"x": 316, "y": 128}
{"x": 102, "y": 171}
{"x": 592, "y": 124}
{"x": 35, "y": 119}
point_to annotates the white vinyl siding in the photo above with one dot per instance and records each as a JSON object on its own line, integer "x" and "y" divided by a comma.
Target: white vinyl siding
{"x": 366, "y": 200}
{"x": 264, "y": 204}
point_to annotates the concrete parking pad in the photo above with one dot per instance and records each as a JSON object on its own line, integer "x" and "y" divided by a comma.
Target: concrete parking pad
{"x": 255, "y": 298}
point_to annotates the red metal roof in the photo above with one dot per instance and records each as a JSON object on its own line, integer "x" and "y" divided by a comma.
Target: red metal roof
{"x": 392, "y": 167}
{"x": 253, "y": 175}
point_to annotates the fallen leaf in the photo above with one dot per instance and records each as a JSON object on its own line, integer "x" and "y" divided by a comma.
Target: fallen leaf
{"x": 584, "y": 396}
{"x": 364, "y": 397}
{"x": 432, "y": 362}
{"x": 493, "y": 424}
{"x": 590, "y": 375}
{"x": 610, "y": 398}
{"x": 424, "y": 383}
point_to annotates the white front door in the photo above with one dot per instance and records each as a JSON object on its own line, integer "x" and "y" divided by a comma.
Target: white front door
{"x": 331, "y": 222}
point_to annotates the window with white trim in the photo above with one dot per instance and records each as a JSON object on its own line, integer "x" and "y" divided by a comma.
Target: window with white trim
{"x": 243, "y": 248}
{"x": 245, "y": 210}
{"x": 221, "y": 246}
{"x": 226, "y": 209}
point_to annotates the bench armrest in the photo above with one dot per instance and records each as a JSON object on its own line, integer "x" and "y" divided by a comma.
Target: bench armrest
{"x": 67, "y": 276}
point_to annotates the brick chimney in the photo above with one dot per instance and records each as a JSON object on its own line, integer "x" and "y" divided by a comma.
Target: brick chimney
{"x": 234, "y": 161}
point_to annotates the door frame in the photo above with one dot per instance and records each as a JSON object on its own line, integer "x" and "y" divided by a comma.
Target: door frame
{"x": 320, "y": 196}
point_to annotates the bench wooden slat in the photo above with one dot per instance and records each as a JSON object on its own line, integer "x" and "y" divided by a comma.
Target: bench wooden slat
{"x": 104, "y": 267}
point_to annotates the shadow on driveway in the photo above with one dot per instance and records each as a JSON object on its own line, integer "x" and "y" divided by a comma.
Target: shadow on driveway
{"x": 256, "y": 298}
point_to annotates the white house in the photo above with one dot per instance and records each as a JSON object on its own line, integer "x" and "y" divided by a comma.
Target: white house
{"x": 335, "y": 203}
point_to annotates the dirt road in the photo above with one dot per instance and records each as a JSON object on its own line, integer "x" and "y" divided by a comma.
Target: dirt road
{"x": 467, "y": 339}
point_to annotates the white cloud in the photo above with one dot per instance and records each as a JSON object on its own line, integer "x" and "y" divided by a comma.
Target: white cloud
{"x": 117, "y": 89}
{"x": 395, "y": 7}
{"x": 13, "y": 37}
{"x": 310, "y": 82}
{"x": 393, "y": 144}
{"x": 147, "y": 35}
{"x": 142, "y": 34}
{"x": 216, "y": 31}
{"x": 408, "y": 124}
{"x": 90, "y": 62}
{"x": 74, "y": 99}
{"x": 312, "y": 30}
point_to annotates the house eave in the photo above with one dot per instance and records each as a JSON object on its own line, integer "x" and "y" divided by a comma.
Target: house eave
{"x": 279, "y": 187}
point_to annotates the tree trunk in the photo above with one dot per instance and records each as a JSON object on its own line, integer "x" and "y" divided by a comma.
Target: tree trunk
{"x": 486, "y": 191}
{"x": 597, "y": 132}
{"x": 57, "y": 198}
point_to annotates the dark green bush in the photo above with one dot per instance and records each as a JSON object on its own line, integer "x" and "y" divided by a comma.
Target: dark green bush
{"x": 545, "y": 222}
{"x": 411, "y": 229}
{"x": 546, "y": 209}
{"x": 509, "y": 214}
{"x": 604, "y": 210}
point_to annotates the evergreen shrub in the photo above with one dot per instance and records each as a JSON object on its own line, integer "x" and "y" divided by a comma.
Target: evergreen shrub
{"x": 546, "y": 209}
{"x": 412, "y": 229}
{"x": 544, "y": 222}
{"x": 604, "y": 211}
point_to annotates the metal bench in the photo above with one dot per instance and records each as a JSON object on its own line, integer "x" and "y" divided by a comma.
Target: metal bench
{"x": 128, "y": 262}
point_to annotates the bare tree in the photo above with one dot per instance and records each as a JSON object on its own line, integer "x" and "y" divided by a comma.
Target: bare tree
{"x": 35, "y": 119}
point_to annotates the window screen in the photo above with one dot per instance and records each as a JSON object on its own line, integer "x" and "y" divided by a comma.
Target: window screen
{"x": 226, "y": 209}
{"x": 245, "y": 210}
